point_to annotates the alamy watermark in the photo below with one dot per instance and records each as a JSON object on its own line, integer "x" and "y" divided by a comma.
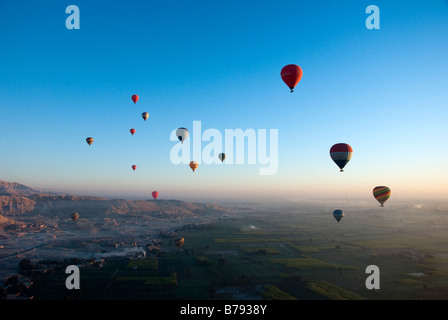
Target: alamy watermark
{"x": 73, "y": 280}
{"x": 73, "y": 20}
{"x": 373, "y": 20}
{"x": 234, "y": 143}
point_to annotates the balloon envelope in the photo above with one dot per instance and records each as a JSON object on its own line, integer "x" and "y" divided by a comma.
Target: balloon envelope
{"x": 132, "y": 131}
{"x": 155, "y": 194}
{"x": 75, "y": 216}
{"x": 179, "y": 242}
{"x": 89, "y": 140}
{"x": 291, "y": 75}
{"x": 222, "y": 156}
{"x": 134, "y": 167}
{"x": 341, "y": 153}
{"x": 135, "y": 98}
{"x": 193, "y": 165}
{"x": 145, "y": 115}
{"x": 182, "y": 134}
{"x": 381, "y": 194}
{"x": 338, "y": 214}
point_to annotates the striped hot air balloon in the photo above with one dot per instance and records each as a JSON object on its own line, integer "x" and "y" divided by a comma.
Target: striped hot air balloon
{"x": 341, "y": 153}
{"x": 145, "y": 115}
{"x": 75, "y": 216}
{"x": 381, "y": 194}
{"x": 89, "y": 140}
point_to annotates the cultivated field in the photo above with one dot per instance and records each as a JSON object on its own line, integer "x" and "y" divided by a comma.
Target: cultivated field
{"x": 285, "y": 255}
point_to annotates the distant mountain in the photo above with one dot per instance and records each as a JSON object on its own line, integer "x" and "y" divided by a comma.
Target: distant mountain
{"x": 15, "y": 189}
{"x": 17, "y": 200}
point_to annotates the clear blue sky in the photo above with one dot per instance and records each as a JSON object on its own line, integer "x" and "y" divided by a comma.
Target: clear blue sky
{"x": 385, "y": 92}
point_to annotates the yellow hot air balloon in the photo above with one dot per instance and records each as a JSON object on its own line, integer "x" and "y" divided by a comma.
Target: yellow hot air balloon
{"x": 193, "y": 165}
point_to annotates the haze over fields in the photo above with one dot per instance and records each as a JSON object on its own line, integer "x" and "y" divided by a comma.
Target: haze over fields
{"x": 256, "y": 246}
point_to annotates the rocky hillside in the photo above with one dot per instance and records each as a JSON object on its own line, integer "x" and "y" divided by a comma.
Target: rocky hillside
{"x": 17, "y": 200}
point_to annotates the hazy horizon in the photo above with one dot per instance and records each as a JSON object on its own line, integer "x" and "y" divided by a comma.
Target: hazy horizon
{"x": 347, "y": 199}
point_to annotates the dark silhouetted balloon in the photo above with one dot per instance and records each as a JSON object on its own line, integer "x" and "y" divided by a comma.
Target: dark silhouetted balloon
{"x": 179, "y": 242}
{"x": 338, "y": 214}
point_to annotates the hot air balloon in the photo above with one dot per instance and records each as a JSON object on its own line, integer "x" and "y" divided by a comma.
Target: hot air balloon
{"x": 155, "y": 194}
{"x": 135, "y": 98}
{"x": 338, "y": 214}
{"x": 193, "y": 165}
{"x": 222, "y": 156}
{"x": 381, "y": 194}
{"x": 132, "y": 131}
{"x": 182, "y": 134}
{"x": 75, "y": 216}
{"x": 179, "y": 242}
{"x": 89, "y": 140}
{"x": 134, "y": 167}
{"x": 291, "y": 75}
{"x": 341, "y": 154}
{"x": 145, "y": 115}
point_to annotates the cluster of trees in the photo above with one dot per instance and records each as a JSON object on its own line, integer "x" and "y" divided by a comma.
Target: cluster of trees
{"x": 13, "y": 286}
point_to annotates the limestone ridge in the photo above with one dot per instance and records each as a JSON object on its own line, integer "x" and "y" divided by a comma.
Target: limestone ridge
{"x": 17, "y": 200}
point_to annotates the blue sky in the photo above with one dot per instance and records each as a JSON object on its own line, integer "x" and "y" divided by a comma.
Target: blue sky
{"x": 382, "y": 91}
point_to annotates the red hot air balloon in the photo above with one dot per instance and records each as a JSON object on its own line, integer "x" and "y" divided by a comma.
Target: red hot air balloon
{"x": 134, "y": 167}
{"x": 132, "y": 131}
{"x": 155, "y": 194}
{"x": 135, "y": 98}
{"x": 291, "y": 75}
